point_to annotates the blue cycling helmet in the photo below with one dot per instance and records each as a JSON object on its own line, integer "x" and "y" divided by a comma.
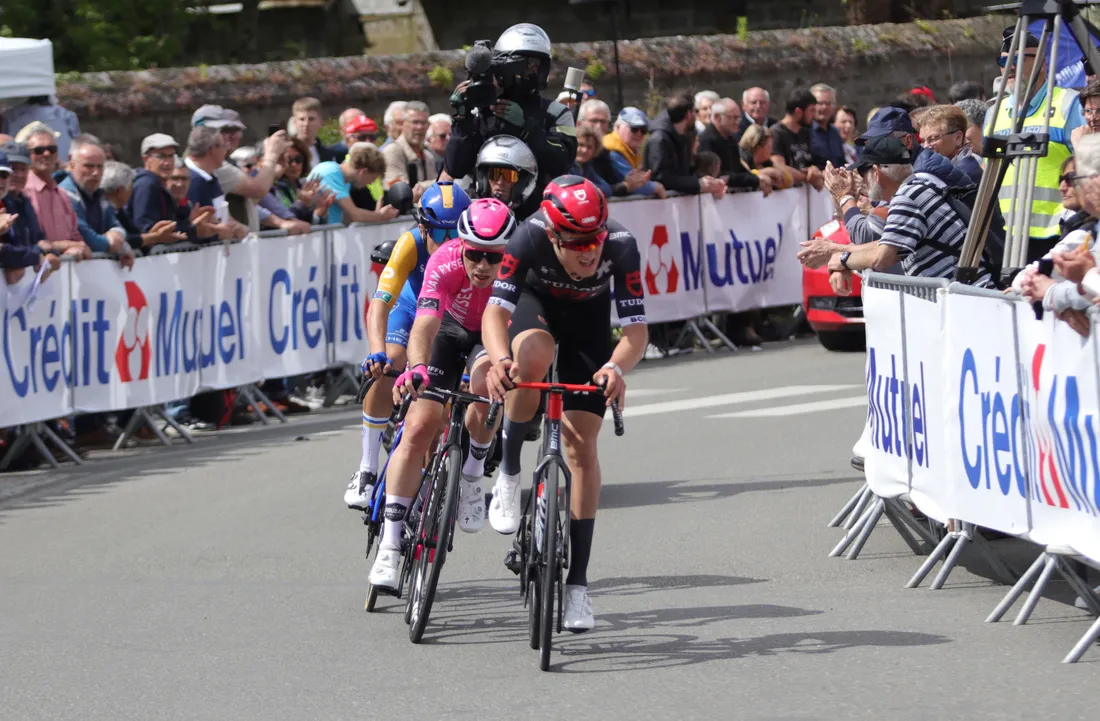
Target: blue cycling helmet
{"x": 441, "y": 205}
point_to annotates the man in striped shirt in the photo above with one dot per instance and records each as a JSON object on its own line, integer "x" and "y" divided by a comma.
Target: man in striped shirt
{"x": 922, "y": 229}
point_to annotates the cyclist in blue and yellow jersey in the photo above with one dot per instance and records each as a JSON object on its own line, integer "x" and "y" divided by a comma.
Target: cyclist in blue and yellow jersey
{"x": 390, "y": 317}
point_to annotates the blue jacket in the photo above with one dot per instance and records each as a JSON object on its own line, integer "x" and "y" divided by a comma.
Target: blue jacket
{"x": 20, "y": 244}
{"x": 94, "y": 215}
{"x": 587, "y": 171}
{"x": 151, "y": 203}
{"x": 942, "y": 168}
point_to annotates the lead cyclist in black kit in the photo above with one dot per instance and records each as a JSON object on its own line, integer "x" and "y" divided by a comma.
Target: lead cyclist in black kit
{"x": 554, "y": 288}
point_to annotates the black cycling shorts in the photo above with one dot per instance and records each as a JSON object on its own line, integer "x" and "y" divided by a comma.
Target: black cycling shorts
{"x": 454, "y": 344}
{"x": 582, "y": 330}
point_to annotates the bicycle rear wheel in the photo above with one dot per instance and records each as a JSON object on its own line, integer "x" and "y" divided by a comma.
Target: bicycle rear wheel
{"x": 550, "y": 567}
{"x": 425, "y": 577}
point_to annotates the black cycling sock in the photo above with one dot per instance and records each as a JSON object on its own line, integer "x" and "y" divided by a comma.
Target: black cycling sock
{"x": 580, "y": 548}
{"x": 514, "y": 435}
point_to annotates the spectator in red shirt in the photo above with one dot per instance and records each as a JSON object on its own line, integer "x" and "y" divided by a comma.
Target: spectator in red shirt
{"x": 51, "y": 204}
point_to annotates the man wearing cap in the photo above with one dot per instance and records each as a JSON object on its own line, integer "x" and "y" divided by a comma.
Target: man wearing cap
{"x": 243, "y": 191}
{"x": 151, "y": 206}
{"x": 51, "y": 204}
{"x": 27, "y": 232}
{"x": 622, "y": 145}
{"x": 1066, "y": 116}
{"x": 922, "y": 228}
{"x": 341, "y": 149}
{"x": 96, "y": 219}
{"x": 18, "y": 246}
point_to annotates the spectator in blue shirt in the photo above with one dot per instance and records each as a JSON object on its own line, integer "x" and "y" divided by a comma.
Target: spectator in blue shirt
{"x": 362, "y": 166}
{"x": 95, "y": 217}
{"x": 826, "y": 145}
{"x": 24, "y": 243}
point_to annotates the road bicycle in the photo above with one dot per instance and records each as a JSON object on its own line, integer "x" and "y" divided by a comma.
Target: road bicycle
{"x": 543, "y": 536}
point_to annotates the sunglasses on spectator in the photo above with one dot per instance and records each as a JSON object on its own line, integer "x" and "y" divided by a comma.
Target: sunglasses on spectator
{"x": 295, "y": 160}
{"x": 638, "y": 131}
{"x": 1069, "y": 178}
{"x": 1077, "y": 177}
{"x": 591, "y": 93}
{"x": 583, "y": 243}
{"x": 4, "y": 175}
{"x": 510, "y": 175}
{"x": 1003, "y": 60}
{"x": 440, "y": 235}
{"x": 492, "y": 257}
{"x": 43, "y": 149}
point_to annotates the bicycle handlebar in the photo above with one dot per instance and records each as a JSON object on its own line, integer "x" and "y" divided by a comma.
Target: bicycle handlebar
{"x": 561, "y": 388}
{"x": 368, "y": 381}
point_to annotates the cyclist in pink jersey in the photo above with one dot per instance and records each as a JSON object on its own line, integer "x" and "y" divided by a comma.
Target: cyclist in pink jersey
{"x": 458, "y": 283}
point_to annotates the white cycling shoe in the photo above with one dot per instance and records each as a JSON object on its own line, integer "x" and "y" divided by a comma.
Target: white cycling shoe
{"x": 504, "y": 511}
{"x": 386, "y": 567}
{"x": 359, "y": 490}
{"x": 471, "y": 505}
{"x": 578, "y": 610}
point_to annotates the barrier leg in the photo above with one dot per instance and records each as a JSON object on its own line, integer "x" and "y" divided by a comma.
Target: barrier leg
{"x": 876, "y": 513}
{"x": 1036, "y": 590}
{"x": 718, "y": 334}
{"x": 1006, "y": 574}
{"x": 897, "y": 520}
{"x": 861, "y": 506}
{"x": 41, "y": 446}
{"x": 130, "y": 428}
{"x": 184, "y": 432}
{"x": 850, "y": 536}
{"x": 61, "y": 445}
{"x": 257, "y": 392}
{"x": 1087, "y": 640}
{"x": 22, "y": 440}
{"x": 1069, "y": 572}
{"x": 693, "y": 325}
{"x": 961, "y": 541}
{"x": 929, "y": 563}
{"x": 1017, "y": 590}
{"x": 848, "y": 507}
{"x": 906, "y": 517}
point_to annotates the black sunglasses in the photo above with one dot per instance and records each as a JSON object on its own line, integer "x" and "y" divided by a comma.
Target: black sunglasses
{"x": 295, "y": 160}
{"x": 43, "y": 149}
{"x": 1068, "y": 178}
{"x": 490, "y": 256}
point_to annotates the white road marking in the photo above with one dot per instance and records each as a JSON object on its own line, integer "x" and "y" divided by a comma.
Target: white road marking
{"x": 797, "y": 409}
{"x": 727, "y": 399}
{"x": 643, "y": 392}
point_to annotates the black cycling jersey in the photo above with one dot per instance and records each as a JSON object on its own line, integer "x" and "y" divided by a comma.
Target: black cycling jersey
{"x": 531, "y": 265}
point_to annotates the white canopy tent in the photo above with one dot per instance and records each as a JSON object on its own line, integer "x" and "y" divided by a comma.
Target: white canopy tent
{"x": 26, "y": 68}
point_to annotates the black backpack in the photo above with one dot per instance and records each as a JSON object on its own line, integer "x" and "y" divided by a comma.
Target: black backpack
{"x": 962, "y": 199}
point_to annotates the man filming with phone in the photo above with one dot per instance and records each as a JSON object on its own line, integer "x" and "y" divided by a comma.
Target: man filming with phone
{"x": 502, "y": 97}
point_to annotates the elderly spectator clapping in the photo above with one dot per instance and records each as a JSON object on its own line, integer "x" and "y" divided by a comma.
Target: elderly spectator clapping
{"x": 118, "y": 186}
{"x": 51, "y": 204}
{"x": 18, "y": 243}
{"x": 439, "y": 132}
{"x": 151, "y": 205}
{"x": 206, "y": 151}
{"x": 595, "y": 114}
{"x": 943, "y": 130}
{"x": 720, "y": 138}
{"x": 623, "y": 144}
{"x": 96, "y": 219}
{"x": 407, "y": 155}
{"x": 28, "y": 241}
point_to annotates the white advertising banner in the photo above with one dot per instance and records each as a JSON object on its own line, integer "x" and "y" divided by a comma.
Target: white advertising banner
{"x": 138, "y": 331}
{"x": 293, "y": 293}
{"x": 923, "y": 400}
{"x": 882, "y": 445}
{"x": 37, "y": 369}
{"x": 668, "y": 235}
{"x": 750, "y": 253}
{"x": 354, "y": 278}
{"x": 984, "y": 424}
{"x": 230, "y": 340}
{"x": 821, "y": 208}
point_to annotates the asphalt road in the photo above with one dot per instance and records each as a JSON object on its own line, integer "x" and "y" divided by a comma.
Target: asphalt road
{"x": 226, "y": 581}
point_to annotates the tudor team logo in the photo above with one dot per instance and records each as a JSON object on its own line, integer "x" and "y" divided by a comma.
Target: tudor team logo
{"x": 133, "y": 355}
{"x": 661, "y": 272}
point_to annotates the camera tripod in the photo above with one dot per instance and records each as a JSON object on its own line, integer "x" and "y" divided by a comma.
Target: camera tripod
{"x": 1022, "y": 148}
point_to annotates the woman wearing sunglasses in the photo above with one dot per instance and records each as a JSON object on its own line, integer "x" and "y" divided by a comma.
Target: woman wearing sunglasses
{"x": 390, "y": 317}
{"x": 554, "y": 290}
{"x": 447, "y": 330}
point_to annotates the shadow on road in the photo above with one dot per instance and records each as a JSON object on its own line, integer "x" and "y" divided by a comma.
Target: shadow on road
{"x": 656, "y": 493}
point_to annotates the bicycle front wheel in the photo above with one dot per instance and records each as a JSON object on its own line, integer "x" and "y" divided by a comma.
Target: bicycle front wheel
{"x": 550, "y": 565}
{"x": 433, "y": 551}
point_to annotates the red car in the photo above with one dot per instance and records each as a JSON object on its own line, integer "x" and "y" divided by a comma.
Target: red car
{"x": 837, "y": 319}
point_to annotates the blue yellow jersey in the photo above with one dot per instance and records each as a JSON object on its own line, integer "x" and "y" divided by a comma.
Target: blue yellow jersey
{"x": 407, "y": 263}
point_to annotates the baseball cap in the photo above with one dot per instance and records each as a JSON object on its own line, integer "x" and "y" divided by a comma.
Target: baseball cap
{"x": 361, "y": 124}
{"x": 886, "y": 121}
{"x": 633, "y": 117}
{"x": 1030, "y": 41}
{"x": 16, "y": 152}
{"x": 5, "y": 166}
{"x": 215, "y": 116}
{"x": 882, "y": 150}
{"x": 158, "y": 140}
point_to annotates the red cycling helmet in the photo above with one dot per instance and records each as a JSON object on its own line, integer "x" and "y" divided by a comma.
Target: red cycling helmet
{"x": 574, "y": 204}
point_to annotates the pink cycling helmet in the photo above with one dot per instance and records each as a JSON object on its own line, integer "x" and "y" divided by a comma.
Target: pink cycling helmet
{"x": 486, "y": 223}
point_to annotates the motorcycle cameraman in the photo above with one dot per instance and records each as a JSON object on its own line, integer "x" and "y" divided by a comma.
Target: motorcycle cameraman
{"x": 520, "y": 69}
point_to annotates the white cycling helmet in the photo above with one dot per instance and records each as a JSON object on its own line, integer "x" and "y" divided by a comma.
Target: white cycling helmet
{"x": 505, "y": 151}
{"x": 487, "y": 223}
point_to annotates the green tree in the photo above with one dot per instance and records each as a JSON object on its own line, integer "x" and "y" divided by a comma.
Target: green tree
{"x": 90, "y": 35}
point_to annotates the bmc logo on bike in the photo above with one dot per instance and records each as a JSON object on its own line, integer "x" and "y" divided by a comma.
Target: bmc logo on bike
{"x": 662, "y": 275}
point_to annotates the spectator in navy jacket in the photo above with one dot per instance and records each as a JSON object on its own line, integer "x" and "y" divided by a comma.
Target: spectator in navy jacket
{"x": 151, "y": 204}
{"x": 206, "y": 151}
{"x": 96, "y": 219}
{"x": 26, "y": 242}
{"x": 826, "y": 145}
{"x": 943, "y": 130}
{"x": 118, "y": 186}
{"x": 17, "y": 249}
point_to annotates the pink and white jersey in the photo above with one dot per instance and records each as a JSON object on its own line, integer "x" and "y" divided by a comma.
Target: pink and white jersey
{"x": 447, "y": 288}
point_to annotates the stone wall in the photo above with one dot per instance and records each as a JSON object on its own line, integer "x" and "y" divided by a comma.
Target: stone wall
{"x": 868, "y": 65}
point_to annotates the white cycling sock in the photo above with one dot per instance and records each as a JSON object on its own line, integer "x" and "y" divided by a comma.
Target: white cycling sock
{"x": 474, "y": 467}
{"x": 373, "y": 428}
{"x": 396, "y": 508}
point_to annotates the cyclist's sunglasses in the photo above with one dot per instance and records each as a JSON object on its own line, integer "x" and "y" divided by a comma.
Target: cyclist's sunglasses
{"x": 475, "y": 255}
{"x": 509, "y": 175}
{"x": 583, "y": 243}
{"x": 441, "y": 235}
